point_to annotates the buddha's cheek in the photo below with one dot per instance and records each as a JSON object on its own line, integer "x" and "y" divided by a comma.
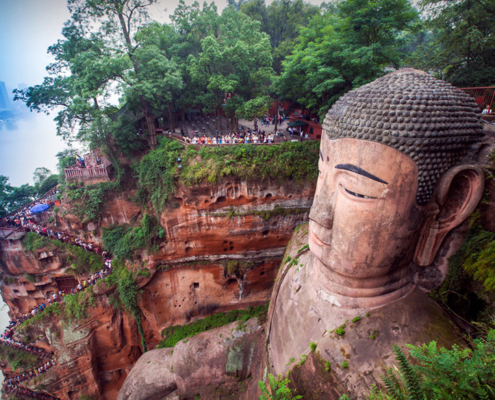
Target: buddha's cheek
{"x": 365, "y": 238}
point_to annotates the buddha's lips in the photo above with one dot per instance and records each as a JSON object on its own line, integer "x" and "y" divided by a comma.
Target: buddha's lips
{"x": 317, "y": 240}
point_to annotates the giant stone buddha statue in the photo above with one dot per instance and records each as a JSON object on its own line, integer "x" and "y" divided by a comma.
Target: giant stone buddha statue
{"x": 395, "y": 177}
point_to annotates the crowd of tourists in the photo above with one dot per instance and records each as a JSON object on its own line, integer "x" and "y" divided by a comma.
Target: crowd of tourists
{"x": 37, "y": 351}
{"x": 26, "y": 393}
{"x": 268, "y": 120}
{"x": 234, "y": 138}
{"x": 27, "y": 375}
{"x": 24, "y": 219}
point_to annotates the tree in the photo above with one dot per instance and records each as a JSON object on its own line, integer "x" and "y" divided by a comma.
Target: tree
{"x": 236, "y": 60}
{"x": 5, "y": 190}
{"x": 40, "y": 174}
{"x": 93, "y": 65}
{"x": 158, "y": 79}
{"x": 281, "y": 20}
{"x": 461, "y": 45}
{"x": 338, "y": 52}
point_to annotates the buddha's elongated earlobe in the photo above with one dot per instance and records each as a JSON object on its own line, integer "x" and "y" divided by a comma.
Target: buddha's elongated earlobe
{"x": 458, "y": 193}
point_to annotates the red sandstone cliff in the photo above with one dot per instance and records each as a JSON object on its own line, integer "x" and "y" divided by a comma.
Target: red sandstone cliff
{"x": 250, "y": 223}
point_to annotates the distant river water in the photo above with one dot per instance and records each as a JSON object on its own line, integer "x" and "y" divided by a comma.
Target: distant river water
{"x": 26, "y": 144}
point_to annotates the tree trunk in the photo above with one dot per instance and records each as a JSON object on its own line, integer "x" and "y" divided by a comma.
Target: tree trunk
{"x": 171, "y": 117}
{"x": 276, "y": 116}
{"x": 150, "y": 121}
{"x": 144, "y": 103}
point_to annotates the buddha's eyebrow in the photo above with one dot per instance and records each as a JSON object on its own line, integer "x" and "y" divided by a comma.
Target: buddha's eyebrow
{"x": 360, "y": 171}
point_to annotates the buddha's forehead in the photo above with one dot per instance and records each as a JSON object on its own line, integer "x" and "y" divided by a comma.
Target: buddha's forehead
{"x": 379, "y": 160}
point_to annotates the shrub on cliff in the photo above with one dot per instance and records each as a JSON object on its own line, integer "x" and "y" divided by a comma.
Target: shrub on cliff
{"x": 126, "y": 295}
{"x": 18, "y": 359}
{"x": 458, "y": 373}
{"x": 174, "y": 334}
{"x": 76, "y": 305}
{"x": 123, "y": 241}
{"x": 290, "y": 160}
{"x": 157, "y": 172}
{"x": 470, "y": 284}
{"x": 81, "y": 261}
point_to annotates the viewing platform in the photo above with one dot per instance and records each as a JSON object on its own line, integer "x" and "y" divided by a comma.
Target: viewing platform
{"x": 97, "y": 168}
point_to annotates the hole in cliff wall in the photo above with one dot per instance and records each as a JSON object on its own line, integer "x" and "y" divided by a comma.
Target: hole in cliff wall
{"x": 268, "y": 196}
{"x": 265, "y": 233}
{"x": 225, "y": 249}
{"x": 290, "y": 196}
{"x": 262, "y": 273}
{"x": 241, "y": 197}
{"x": 221, "y": 199}
{"x": 195, "y": 285}
{"x": 207, "y": 201}
{"x": 188, "y": 250}
{"x": 231, "y": 247}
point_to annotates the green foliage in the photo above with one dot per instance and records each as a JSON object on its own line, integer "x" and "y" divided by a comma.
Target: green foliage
{"x": 145, "y": 272}
{"x": 281, "y": 20}
{"x": 123, "y": 241}
{"x": 18, "y": 359}
{"x": 473, "y": 262}
{"x": 12, "y": 197}
{"x": 344, "y": 364}
{"x": 290, "y": 160}
{"x": 174, "y": 334}
{"x": 236, "y": 267}
{"x": 51, "y": 310}
{"x": 459, "y": 43}
{"x": 88, "y": 201}
{"x": 340, "y": 51}
{"x": 76, "y": 305}
{"x": 127, "y": 292}
{"x": 33, "y": 242}
{"x": 356, "y": 319}
{"x": 278, "y": 389}
{"x": 328, "y": 366}
{"x": 340, "y": 330}
{"x": 29, "y": 277}
{"x": 157, "y": 172}
{"x": 81, "y": 261}
{"x": 306, "y": 246}
{"x": 263, "y": 214}
{"x": 312, "y": 346}
{"x": 441, "y": 374}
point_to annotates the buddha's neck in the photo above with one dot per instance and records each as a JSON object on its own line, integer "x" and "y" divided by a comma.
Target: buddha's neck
{"x": 347, "y": 292}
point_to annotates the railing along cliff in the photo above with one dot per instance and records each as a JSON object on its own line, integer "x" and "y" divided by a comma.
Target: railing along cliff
{"x": 94, "y": 172}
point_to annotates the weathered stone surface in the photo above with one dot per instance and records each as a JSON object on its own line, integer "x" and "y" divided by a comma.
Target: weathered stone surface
{"x": 96, "y": 356}
{"x": 209, "y": 364}
{"x": 151, "y": 378}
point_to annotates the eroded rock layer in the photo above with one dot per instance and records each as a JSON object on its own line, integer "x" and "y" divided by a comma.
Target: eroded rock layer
{"x": 223, "y": 245}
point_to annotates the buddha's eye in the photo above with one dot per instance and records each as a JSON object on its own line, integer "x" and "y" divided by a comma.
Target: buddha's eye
{"x": 361, "y": 196}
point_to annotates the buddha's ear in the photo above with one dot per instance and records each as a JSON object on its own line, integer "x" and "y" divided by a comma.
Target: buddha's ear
{"x": 458, "y": 193}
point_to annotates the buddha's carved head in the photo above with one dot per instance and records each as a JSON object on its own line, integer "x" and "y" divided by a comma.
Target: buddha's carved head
{"x": 394, "y": 180}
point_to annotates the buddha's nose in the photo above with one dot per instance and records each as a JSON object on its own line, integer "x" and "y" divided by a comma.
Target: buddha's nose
{"x": 322, "y": 209}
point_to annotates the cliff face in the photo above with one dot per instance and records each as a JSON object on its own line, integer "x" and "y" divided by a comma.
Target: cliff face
{"x": 224, "y": 244}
